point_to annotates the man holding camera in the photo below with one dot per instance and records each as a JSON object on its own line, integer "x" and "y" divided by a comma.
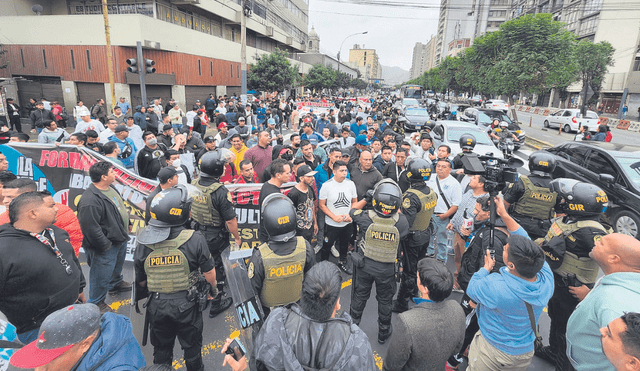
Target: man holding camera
{"x": 567, "y": 246}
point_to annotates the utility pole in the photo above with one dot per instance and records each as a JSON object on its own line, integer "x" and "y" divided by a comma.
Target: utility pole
{"x": 142, "y": 72}
{"x": 107, "y": 34}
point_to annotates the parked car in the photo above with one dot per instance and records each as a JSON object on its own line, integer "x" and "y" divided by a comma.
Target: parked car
{"x": 483, "y": 118}
{"x": 448, "y": 132}
{"x": 416, "y": 118}
{"x": 571, "y": 120}
{"x": 613, "y": 167}
{"x": 496, "y": 104}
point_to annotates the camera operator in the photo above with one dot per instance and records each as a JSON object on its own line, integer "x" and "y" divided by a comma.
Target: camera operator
{"x": 530, "y": 200}
{"x": 567, "y": 246}
{"x": 508, "y": 306}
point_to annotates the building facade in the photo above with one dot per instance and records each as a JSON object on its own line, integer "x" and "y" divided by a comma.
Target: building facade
{"x": 423, "y": 58}
{"x": 366, "y": 61}
{"x": 60, "y": 52}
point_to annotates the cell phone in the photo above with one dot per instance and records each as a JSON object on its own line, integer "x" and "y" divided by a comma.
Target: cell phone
{"x": 492, "y": 252}
{"x": 236, "y": 349}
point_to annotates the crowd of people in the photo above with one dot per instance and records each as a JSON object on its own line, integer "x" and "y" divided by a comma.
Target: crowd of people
{"x": 369, "y": 204}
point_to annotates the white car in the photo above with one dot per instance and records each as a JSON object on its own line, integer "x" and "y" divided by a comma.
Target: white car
{"x": 571, "y": 120}
{"x": 496, "y": 104}
{"x": 449, "y": 132}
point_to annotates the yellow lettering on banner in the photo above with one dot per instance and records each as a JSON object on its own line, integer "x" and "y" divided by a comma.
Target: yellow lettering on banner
{"x": 286, "y": 270}
{"x": 384, "y": 236}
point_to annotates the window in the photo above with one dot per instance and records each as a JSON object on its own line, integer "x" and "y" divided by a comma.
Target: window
{"x": 231, "y": 70}
{"x": 22, "y": 58}
{"x": 88, "y": 59}
{"x": 238, "y": 70}
{"x": 576, "y": 154}
{"x": 199, "y": 68}
{"x": 211, "y": 67}
{"x": 44, "y": 58}
{"x": 73, "y": 60}
{"x": 567, "y": 113}
{"x": 636, "y": 64}
{"x": 599, "y": 164}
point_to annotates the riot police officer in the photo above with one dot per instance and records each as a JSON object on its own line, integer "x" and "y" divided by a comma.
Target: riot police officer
{"x": 467, "y": 144}
{"x": 567, "y": 246}
{"x": 168, "y": 261}
{"x": 277, "y": 267}
{"x": 418, "y": 204}
{"x": 380, "y": 232}
{"x": 215, "y": 216}
{"x": 531, "y": 203}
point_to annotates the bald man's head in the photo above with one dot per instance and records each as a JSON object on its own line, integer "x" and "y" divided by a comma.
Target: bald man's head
{"x": 617, "y": 252}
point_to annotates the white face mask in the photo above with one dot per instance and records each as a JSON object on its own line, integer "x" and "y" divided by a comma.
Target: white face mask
{"x": 176, "y": 163}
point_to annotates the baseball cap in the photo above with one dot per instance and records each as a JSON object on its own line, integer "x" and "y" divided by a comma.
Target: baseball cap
{"x": 305, "y": 170}
{"x": 313, "y": 141}
{"x": 271, "y": 122}
{"x": 222, "y": 125}
{"x": 60, "y": 331}
{"x": 362, "y": 139}
{"x": 209, "y": 139}
{"x": 120, "y": 128}
{"x": 167, "y": 127}
{"x": 166, "y": 173}
{"x": 345, "y": 152}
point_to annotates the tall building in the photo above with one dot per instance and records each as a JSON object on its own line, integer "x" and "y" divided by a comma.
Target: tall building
{"x": 600, "y": 20}
{"x": 488, "y": 15}
{"x": 59, "y": 50}
{"x": 366, "y": 61}
{"x": 455, "y": 22}
{"x": 423, "y": 58}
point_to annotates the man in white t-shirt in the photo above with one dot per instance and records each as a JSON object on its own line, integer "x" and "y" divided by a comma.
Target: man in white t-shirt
{"x": 449, "y": 196}
{"x": 87, "y": 123}
{"x": 337, "y": 196}
{"x": 109, "y": 131}
{"x": 191, "y": 115}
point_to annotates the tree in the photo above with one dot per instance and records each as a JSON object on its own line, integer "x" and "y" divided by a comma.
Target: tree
{"x": 592, "y": 60}
{"x": 273, "y": 72}
{"x": 341, "y": 80}
{"x": 319, "y": 77}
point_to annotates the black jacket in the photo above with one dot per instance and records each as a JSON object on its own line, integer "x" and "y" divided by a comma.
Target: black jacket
{"x": 39, "y": 116}
{"x": 473, "y": 257}
{"x": 100, "y": 221}
{"x": 33, "y": 283}
{"x": 391, "y": 171}
{"x": 150, "y": 161}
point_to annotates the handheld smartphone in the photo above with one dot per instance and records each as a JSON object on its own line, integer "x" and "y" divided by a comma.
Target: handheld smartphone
{"x": 492, "y": 252}
{"x": 236, "y": 349}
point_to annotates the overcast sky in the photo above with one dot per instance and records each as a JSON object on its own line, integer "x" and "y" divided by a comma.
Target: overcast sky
{"x": 393, "y": 28}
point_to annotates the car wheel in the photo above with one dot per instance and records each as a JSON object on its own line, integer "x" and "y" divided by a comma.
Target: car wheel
{"x": 567, "y": 128}
{"x": 626, "y": 222}
{"x": 546, "y": 123}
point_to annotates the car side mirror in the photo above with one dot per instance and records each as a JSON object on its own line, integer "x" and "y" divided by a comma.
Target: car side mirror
{"x": 607, "y": 178}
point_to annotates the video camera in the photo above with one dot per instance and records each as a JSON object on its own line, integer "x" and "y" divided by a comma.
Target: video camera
{"x": 497, "y": 172}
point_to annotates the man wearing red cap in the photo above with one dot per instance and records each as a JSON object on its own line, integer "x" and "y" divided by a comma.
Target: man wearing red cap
{"x": 223, "y": 130}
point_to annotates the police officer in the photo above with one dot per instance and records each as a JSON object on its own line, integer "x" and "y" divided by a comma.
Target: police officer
{"x": 567, "y": 246}
{"x": 531, "y": 203}
{"x": 214, "y": 215}
{"x": 467, "y": 144}
{"x": 418, "y": 204}
{"x": 381, "y": 231}
{"x": 168, "y": 259}
{"x": 277, "y": 267}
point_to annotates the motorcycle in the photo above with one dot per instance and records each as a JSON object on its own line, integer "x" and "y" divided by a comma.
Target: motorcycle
{"x": 507, "y": 147}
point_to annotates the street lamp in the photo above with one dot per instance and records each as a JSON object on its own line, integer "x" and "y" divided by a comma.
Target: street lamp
{"x": 345, "y": 39}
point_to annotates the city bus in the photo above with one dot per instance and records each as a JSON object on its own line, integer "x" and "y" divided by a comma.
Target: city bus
{"x": 411, "y": 91}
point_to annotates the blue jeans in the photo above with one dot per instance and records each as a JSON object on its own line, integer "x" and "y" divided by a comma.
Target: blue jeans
{"x": 176, "y": 128}
{"x": 105, "y": 272}
{"x": 440, "y": 241}
{"x": 29, "y": 336}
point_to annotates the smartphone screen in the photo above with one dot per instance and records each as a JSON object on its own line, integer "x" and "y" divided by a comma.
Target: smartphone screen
{"x": 236, "y": 349}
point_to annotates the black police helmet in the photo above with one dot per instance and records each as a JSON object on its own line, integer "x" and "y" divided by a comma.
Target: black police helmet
{"x": 418, "y": 170}
{"x": 429, "y": 125}
{"x": 467, "y": 141}
{"x": 580, "y": 199}
{"x": 387, "y": 198}
{"x": 543, "y": 162}
{"x": 279, "y": 217}
{"x": 170, "y": 208}
{"x": 212, "y": 163}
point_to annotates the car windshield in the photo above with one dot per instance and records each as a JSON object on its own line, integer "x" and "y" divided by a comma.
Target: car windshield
{"x": 410, "y": 102}
{"x": 486, "y": 117}
{"x": 417, "y": 112}
{"x": 454, "y": 134}
{"x": 631, "y": 167}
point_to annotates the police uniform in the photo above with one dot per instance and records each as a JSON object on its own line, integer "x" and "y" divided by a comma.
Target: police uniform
{"x": 532, "y": 203}
{"x": 417, "y": 205}
{"x": 567, "y": 245}
{"x": 380, "y": 238}
{"x": 211, "y": 211}
{"x": 276, "y": 270}
{"x": 167, "y": 267}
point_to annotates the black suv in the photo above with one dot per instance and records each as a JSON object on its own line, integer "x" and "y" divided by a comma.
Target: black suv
{"x": 613, "y": 167}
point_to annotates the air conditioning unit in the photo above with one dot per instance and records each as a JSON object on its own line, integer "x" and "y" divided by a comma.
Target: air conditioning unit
{"x": 289, "y": 41}
{"x": 269, "y": 31}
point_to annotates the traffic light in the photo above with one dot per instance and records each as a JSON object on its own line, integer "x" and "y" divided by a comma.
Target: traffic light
{"x": 148, "y": 64}
{"x": 133, "y": 65}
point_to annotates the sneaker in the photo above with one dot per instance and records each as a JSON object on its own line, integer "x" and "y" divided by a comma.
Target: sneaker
{"x": 451, "y": 252}
{"x": 122, "y": 286}
{"x": 456, "y": 287}
{"x": 104, "y": 308}
{"x": 450, "y": 368}
{"x": 397, "y": 307}
{"x": 547, "y": 354}
{"x": 222, "y": 305}
{"x": 384, "y": 336}
{"x": 335, "y": 252}
{"x": 345, "y": 268}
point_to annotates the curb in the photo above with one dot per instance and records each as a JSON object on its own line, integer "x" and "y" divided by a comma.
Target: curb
{"x": 536, "y": 143}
